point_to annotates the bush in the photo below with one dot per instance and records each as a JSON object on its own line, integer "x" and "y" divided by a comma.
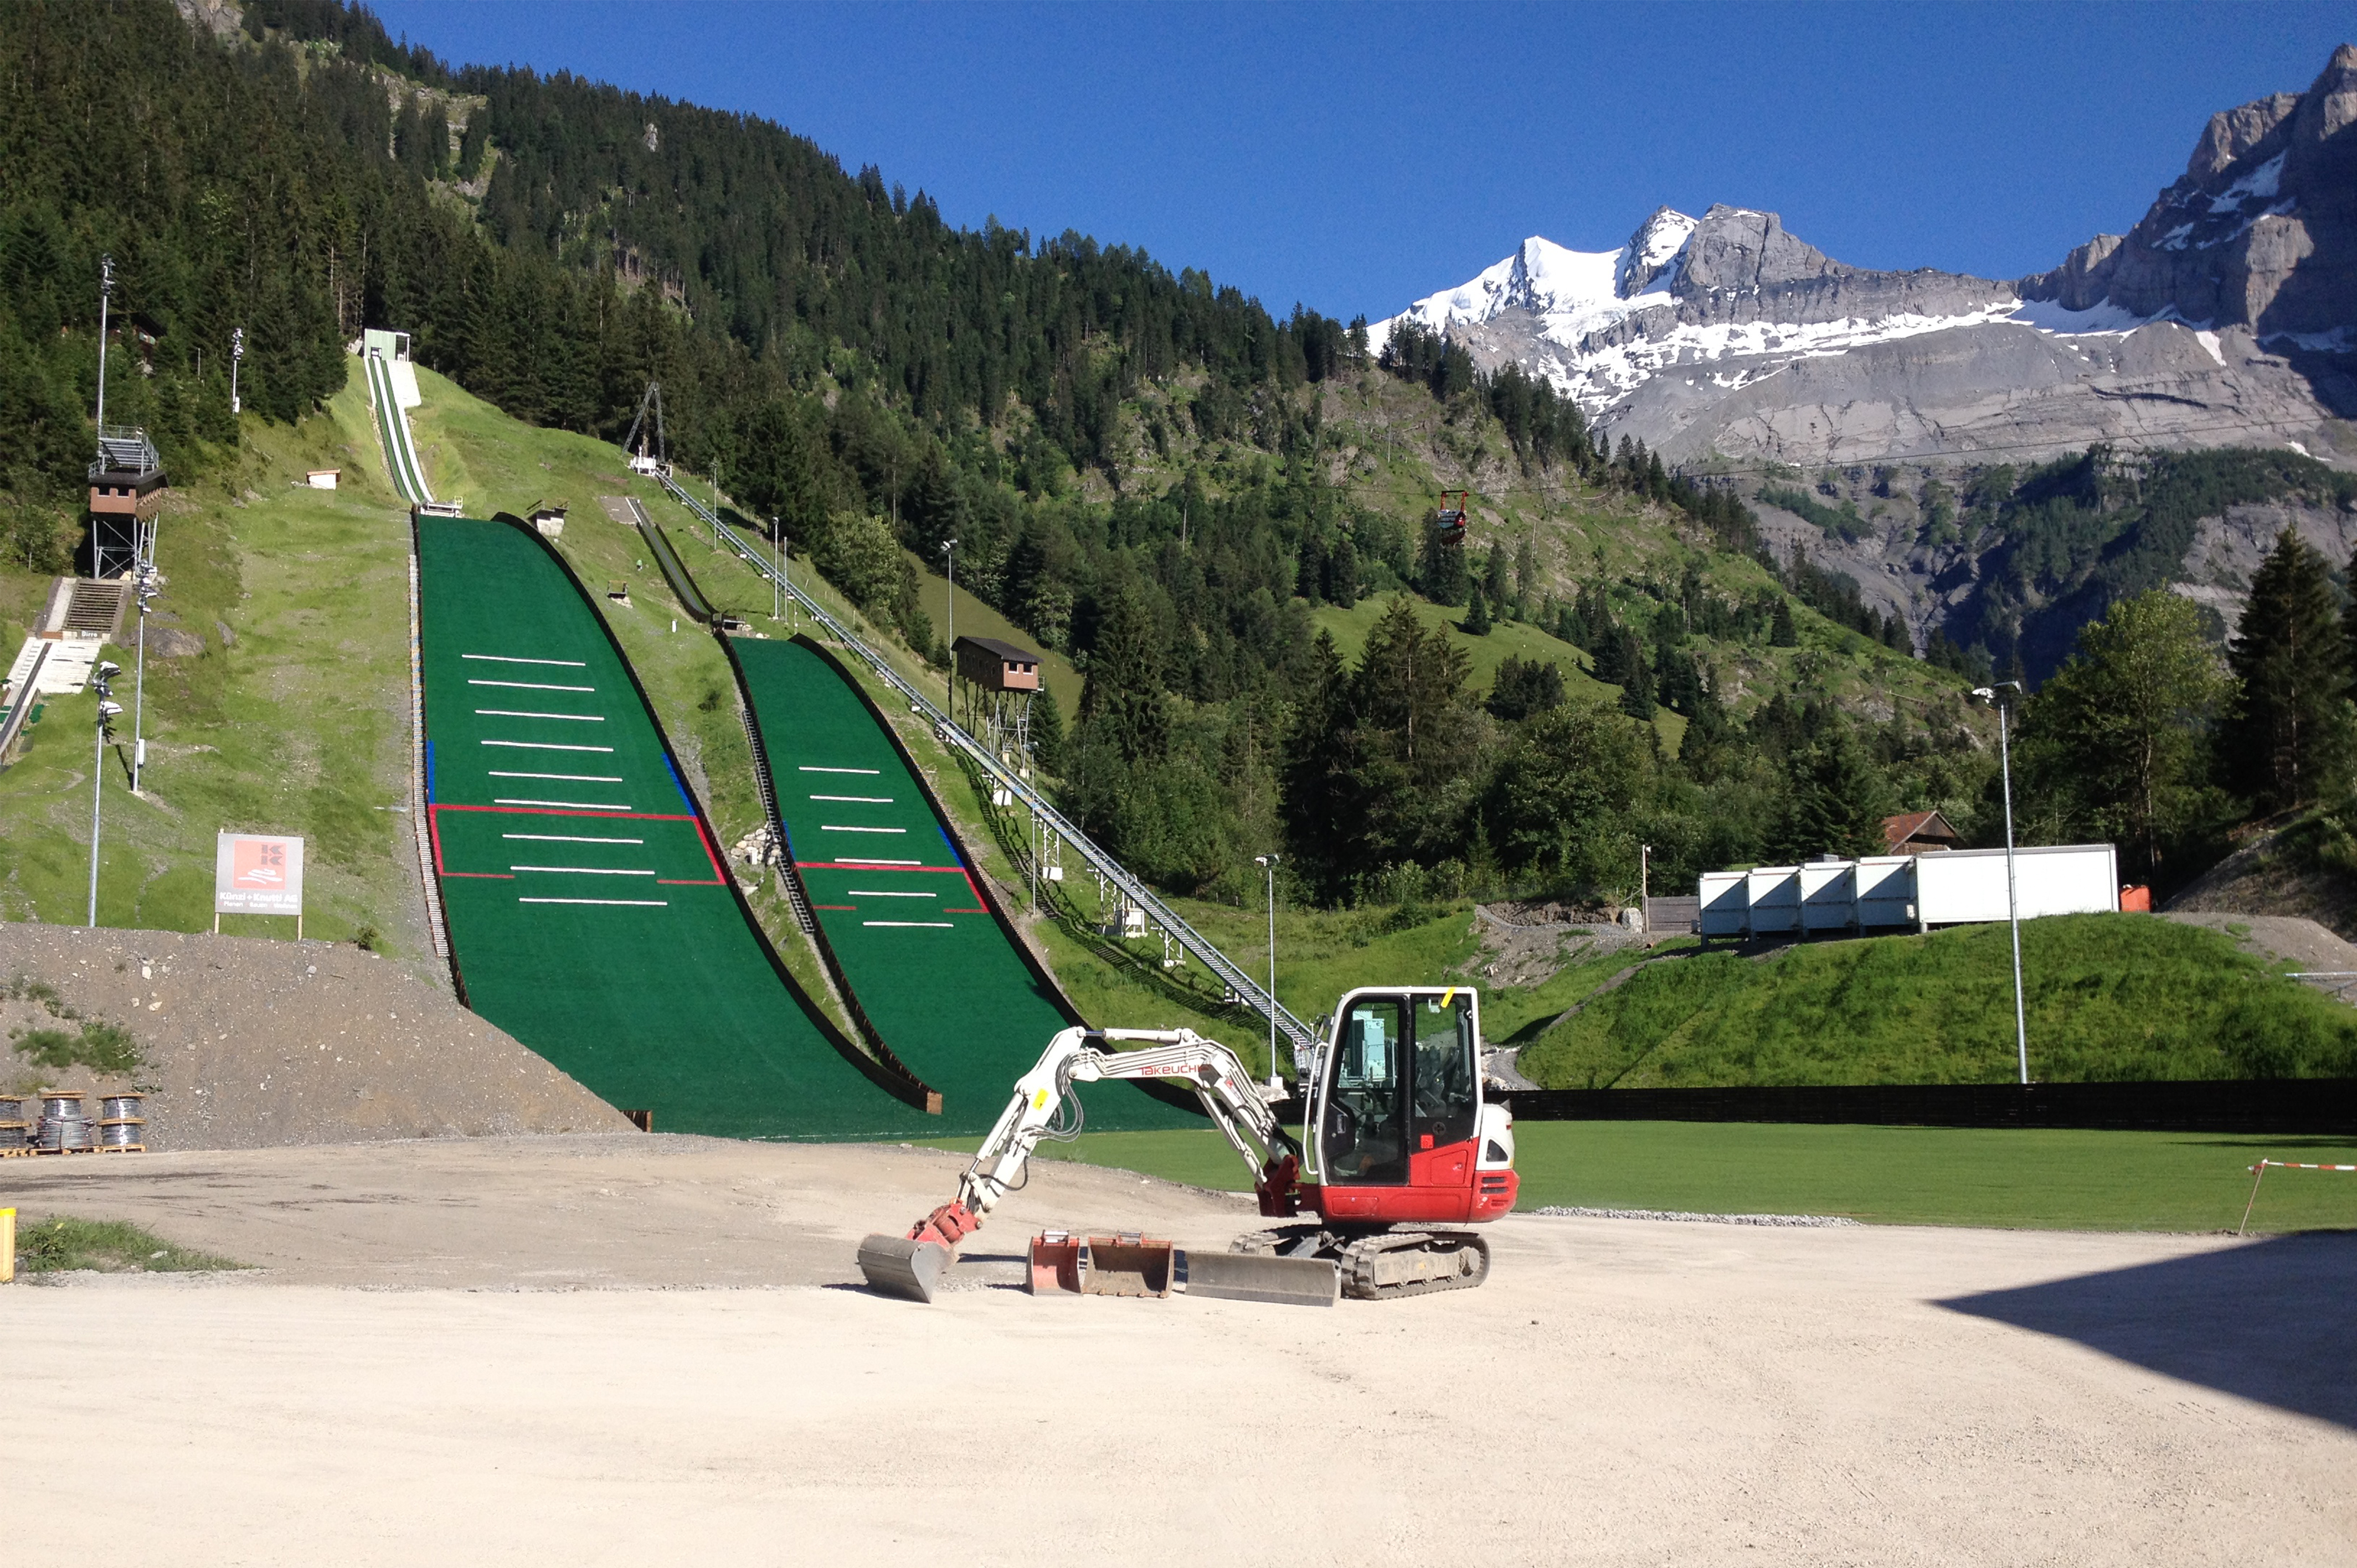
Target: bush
{"x": 102, "y": 1046}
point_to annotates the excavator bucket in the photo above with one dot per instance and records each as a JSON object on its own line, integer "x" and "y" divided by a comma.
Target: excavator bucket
{"x": 1263, "y": 1276}
{"x": 1055, "y": 1264}
{"x": 897, "y": 1266}
{"x": 1128, "y": 1265}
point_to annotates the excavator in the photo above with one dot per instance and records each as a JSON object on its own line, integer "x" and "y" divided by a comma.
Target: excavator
{"x": 1402, "y": 1152}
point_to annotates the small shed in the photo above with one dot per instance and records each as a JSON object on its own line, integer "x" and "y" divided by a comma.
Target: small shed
{"x": 996, "y": 666}
{"x": 548, "y": 520}
{"x": 323, "y": 478}
{"x": 1919, "y": 832}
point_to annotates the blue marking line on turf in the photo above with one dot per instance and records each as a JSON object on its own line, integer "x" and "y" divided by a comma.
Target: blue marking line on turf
{"x": 949, "y": 843}
{"x": 685, "y": 798}
{"x": 429, "y": 772}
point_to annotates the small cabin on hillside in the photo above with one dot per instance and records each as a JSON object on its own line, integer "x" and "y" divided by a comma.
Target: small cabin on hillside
{"x": 1919, "y": 832}
{"x": 996, "y": 666}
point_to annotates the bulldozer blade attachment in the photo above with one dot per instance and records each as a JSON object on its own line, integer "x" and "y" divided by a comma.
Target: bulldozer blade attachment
{"x": 1055, "y": 1264}
{"x": 1128, "y": 1265}
{"x": 1262, "y": 1276}
{"x": 897, "y": 1266}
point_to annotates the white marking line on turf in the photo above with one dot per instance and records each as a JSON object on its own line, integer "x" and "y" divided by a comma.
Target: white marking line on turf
{"x": 858, "y": 799}
{"x": 871, "y": 772}
{"x": 580, "y": 871}
{"x": 504, "y": 658}
{"x": 564, "y": 805}
{"x": 873, "y": 893}
{"x": 839, "y": 828}
{"x": 566, "y": 777}
{"x": 869, "y": 860}
{"x": 929, "y": 925}
{"x": 516, "y": 713}
{"x": 567, "y": 838}
{"x": 531, "y": 686}
{"x": 546, "y": 746}
{"x": 632, "y": 903}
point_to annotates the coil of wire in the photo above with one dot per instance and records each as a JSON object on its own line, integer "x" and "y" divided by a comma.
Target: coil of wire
{"x": 13, "y": 1135}
{"x": 62, "y": 1103}
{"x": 61, "y": 1135}
{"x": 120, "y": 1107}
{"x": 122, "y": 1132}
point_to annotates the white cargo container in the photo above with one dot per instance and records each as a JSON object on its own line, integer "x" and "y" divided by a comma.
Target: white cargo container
{"x": 1725, "y": 904}
{"x": 1775, "y": 895}
{"x": 1828, "y": 896}
{"x": 1886, "y": 891}
{"x": 1965, "y": 885}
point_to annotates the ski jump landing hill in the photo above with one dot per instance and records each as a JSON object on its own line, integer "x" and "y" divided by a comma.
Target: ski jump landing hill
{"x": 591, "y": 914}
{"x": 939, "y": 976}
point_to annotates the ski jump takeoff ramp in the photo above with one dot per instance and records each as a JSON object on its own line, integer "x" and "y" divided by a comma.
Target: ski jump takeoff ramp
{"x": 938, "y": 975}
{"x": 590, "y": 912}
{"x": 392, "y": 425}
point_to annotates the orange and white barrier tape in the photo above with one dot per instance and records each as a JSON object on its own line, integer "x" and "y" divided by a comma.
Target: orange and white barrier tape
{"x": 2259, "y": 1174}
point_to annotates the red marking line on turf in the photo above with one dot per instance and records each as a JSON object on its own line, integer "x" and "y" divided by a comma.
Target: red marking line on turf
{"x": 434, "y": 826}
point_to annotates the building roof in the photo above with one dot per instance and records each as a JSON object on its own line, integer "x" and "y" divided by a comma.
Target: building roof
{"x": 1911, "y": 826}
{"x": 1006, "y": 650}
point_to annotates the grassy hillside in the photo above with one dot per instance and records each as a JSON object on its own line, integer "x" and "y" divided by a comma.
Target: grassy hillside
{"x": 294, "y": 717}
{"x": 2107, "y": 997}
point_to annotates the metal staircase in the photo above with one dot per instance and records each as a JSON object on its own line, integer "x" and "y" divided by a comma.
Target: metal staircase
{"x": 1240, "y": 984}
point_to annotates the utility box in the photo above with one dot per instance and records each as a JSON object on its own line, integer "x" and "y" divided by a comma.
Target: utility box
{"x": 1886, "y": 891}
{"x": 1726, "y": 906}
{"x": 1774, "y": 893}
{"x": 1828, "y": 896}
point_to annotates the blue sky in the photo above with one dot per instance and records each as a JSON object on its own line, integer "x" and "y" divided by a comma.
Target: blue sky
{"x": 1354, "y": 158}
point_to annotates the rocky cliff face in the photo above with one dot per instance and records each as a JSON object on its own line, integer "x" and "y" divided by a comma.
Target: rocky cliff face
{"x": 2260, "y": 232}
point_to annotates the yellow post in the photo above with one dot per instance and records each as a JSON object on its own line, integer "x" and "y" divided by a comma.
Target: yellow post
{"x": 7, "y": 1245}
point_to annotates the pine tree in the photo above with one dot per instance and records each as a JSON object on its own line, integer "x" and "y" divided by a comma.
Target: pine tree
{"x": 2287, "y": 738}
{"x": 1122, "y": 703}
{"x": 1783, "y": 633}
{"x": 1637, "y": 679}
{"x": 1477, "y": 620}
{"x": 1441, "y": 573}
{"x": 1343, "y": 573}
{"x": 1495, "y": 581}
{"x": 1526, "y": 577}
{"x": 1046, "y": 733}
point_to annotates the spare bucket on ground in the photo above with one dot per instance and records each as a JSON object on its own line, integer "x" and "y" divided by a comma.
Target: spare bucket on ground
{"x": 1055, "y": 1263}
{"x": 1128, "y": 1265}
{"x": 894, "y": 1265}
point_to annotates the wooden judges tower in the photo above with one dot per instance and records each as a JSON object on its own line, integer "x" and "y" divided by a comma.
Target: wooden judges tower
{"x": 126, "y": 492}
{"x": 998, "y": 681}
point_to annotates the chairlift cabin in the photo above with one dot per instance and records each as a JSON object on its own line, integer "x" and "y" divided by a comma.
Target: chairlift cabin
{"x": 1448, "y": 520}
{"x": 998, "y": 680}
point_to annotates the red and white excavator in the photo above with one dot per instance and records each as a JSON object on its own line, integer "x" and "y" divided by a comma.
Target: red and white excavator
{"x": 1402, "y": 1152}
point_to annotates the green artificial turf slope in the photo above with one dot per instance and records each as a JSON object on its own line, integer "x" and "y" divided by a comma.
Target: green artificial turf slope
{"x": 589, "y": 911}
{"x": 937, "y": 974}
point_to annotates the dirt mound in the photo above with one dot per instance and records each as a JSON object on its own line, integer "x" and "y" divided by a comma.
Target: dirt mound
{"x": 2269, "y": 876}
{"x": 250, "y": 1044}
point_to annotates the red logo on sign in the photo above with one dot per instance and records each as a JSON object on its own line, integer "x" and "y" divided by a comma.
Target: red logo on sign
{"x": 258, "y": 862}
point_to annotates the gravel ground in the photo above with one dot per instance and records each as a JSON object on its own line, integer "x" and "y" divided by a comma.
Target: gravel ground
{"x": 249, "y": 1043}
{"x": 493, "y": 1351}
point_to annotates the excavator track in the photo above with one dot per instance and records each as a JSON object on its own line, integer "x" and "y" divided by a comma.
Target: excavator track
{"x": 1386, "y": 1264}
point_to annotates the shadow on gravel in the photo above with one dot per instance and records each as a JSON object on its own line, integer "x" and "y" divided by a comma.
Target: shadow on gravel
{"x": 2268, "y": 1321}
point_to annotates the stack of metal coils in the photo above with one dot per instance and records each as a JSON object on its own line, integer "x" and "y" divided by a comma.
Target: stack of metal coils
{"x": 121, "y": 1125}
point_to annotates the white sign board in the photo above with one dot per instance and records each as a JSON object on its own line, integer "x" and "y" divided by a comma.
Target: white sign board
{"x": 258, "y": 874}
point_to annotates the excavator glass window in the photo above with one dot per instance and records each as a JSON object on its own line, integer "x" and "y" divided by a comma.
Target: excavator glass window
{"x": 1364, "y": 1136}
{"x": 1445, "y": 1104}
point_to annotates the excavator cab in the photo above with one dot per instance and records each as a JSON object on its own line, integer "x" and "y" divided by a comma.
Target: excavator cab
{"x": 1399, "y": 1129}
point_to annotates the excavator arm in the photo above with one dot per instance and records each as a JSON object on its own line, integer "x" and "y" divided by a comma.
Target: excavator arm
{"x": 1044, "y": 1108}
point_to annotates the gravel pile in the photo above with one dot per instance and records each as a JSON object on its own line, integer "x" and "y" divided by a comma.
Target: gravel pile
{"x": 1808, "y": 1222}
{"x": 253, "y": 1043}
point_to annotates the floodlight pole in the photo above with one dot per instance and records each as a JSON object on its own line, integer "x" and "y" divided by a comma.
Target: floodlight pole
{"x": 105, "y": 294}
{"x": 1268, "y": 862}
{"x": 2012, "y": 900}
{"x": 777, "y": 591}
{"x": 142, "y": 588}
{"x": 236, "y": 359}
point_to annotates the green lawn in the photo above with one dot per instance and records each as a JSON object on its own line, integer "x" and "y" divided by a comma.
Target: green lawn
{"x": 2040, "y": 1179}
{"x": 2107, "y": 997}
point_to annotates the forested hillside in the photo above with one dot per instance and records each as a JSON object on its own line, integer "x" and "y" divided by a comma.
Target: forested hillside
{"x": 1186, "y": 493}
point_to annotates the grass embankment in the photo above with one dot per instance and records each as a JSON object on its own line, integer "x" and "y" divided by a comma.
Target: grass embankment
{"x": 2034, "y": 1178}
{"x": 293, "y": 719}
{"x": 2108, "y": 997}
{"x": 112, "y": 1246}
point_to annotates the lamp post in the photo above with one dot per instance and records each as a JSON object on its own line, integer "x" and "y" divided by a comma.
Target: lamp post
{"x": 777, "y": 578}
{"x": 102, "y": 682}
{"x": 2012, "y": 902}
{"x": 236, "y": 359}
{"x": 949, "y": 559}
{"x": 1268, "y": 862}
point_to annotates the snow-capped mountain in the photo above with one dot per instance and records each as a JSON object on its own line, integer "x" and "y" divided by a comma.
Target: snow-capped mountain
{"x": 2224, "y": 318}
